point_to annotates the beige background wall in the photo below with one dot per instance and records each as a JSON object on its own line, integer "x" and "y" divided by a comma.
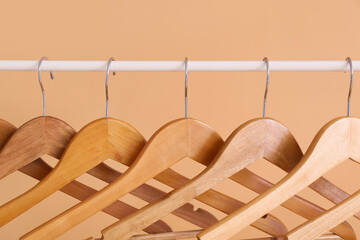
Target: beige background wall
{"x": 171, "y": 30}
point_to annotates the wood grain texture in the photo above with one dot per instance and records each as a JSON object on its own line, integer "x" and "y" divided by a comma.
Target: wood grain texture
{"x": 337, "y": 141}
{"x": 89, "y": 147}
{"x": 253, "y": 140}
{"x": 173, "y": 142}
{"x": 36, "y": 138}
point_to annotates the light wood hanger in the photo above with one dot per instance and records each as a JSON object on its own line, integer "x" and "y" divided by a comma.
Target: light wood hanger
{"x": 201, "y": 218}
{"x": 40, "y": 136}
{"x": 89, "y": 147}
{"x": 38, "y": 170}
{"x": 101, "y": 139}
{"x": 171, "y": 143}
{"x": 258, "y": 138}
{"x": 336, "y": 142}
{"x": 36, "y": 138}
{"x": 44, "y": 135}
{"x": 327, "y": 220}
{"x": 251, "y": 141}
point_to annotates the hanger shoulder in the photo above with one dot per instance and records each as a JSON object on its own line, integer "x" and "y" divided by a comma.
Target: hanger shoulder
{"x": 39, "y": 136}
{"x": 331, "y": 218}
{"x": 88, "y": 148}
{"x": 331, "y": 146}
{"x": 57, "y": 136}
{"x": 39, "y": 169}
{"x": 167, "y": 146}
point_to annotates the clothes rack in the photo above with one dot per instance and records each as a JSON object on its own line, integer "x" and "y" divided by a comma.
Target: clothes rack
{"x": 178, "y": 66}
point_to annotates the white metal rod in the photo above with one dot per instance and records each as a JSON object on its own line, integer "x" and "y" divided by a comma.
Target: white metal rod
{"x": 178, "y": 66}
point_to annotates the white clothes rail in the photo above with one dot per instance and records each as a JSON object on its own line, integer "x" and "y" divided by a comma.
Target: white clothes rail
{"x": 178, "y": 66}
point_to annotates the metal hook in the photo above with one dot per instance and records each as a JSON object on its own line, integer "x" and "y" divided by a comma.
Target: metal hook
{"x": 107, "y": 85}
{"x": 348, "y": 59}
{"x": 186, "y": 87}
{"x": 267, "y": 84}
{"x": 40, "y": 82}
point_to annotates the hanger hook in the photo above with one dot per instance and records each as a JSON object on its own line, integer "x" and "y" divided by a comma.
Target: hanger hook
{"x": 348, "y": 59}
{"x": 107, "y": 85}
{"x": 186, "y": 86}
{"x": 41, "y": 84}
{"x": 267, "y": 84}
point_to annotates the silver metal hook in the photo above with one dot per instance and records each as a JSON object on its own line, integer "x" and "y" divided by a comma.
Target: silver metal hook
{"x": 186, "y": 87}
{"x": 107, "y": 86}
{"x": 40, "y": 82}
{"x": 348, "y": 59}
{"x": 267, "y": 85}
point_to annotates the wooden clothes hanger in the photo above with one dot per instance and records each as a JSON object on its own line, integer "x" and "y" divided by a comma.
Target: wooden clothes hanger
{"x": 38, "y": 137}
{"x": 171, "y": 143}
{"x": 44, "y": 136}
{"x": 342, "y": 211}
{"x": 103, "y": 138}
{"x": 336, "y": 142}
{"x": 38, "y": 170}
{"x": 217, "y": 200}
{"x": 277, "y": 146}
{"x": 258, "y": 138}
